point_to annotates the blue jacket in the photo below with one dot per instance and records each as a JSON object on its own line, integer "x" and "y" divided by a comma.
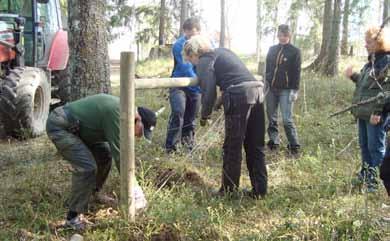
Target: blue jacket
{"x": 181, "y": 67}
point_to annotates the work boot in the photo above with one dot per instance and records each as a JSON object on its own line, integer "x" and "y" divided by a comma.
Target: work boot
{"x": 294, "y": 151}
{"x": 188, "y": 142}
{"x": 78, "y": 223}
{"x": 104, "y": 199}
{"x": 217, "y": 193}
{"x": 272, "y": 146}
{"x": 372, "y": 182}
{"x": 251, "y": 194}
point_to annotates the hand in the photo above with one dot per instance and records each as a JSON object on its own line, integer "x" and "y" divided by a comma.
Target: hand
{"x": 375, "y": 119}
{"x": 348, "y": 71}
{"x": 203, "y": 121}
{"x": 293, "y": 95}
{"x": 138, "y": 128}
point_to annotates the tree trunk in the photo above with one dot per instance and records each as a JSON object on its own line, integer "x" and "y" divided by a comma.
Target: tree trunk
{"x": 331, "y": 66}
{"x": 89, "y": 69}
{"x": 183, "y": 14}
{"x": 293, "y": 19}
{"x": 275, "y": 20}
{"x": 161, "y": 28}
{"x": 386, "y": 9}
{"x": 326, "y": 32}
{"x": 223, "y": 25}
{"x": 258, "y": 31}
{"x": 344, "y": 39}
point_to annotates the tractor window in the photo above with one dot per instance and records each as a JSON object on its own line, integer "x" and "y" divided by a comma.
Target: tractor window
{"x": 48, "y": 16}
{"x": 20, "y": 7}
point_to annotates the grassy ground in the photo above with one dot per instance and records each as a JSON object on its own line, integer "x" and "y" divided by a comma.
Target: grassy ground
{"x": 310, "y": 198}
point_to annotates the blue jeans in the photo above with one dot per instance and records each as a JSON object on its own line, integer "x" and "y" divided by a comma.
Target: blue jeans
{"x": 181, "y": 125}
{"x": 372, "y": 141}
{"x": 285, "y": 98}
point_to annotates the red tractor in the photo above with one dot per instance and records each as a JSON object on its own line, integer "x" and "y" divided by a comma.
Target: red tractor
{"x": 33, "y": 56}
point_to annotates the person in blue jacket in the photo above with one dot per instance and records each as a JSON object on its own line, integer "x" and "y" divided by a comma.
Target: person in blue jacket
{"x": 185, "y": 101}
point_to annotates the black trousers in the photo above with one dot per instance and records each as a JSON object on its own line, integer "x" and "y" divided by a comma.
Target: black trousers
{"x": 385, "y": 171}
{"x": 244, "y": 126}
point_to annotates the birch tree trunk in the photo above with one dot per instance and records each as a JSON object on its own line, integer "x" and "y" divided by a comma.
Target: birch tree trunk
{"x": 259, "y": 35}
{"x": 161, "y": 28}
{"x": 326, "y": 33}
{"x": 344, "y": 39}
{"x": 183, "y": 14}
{"x": 223, "y": 25}
{"x": 89, "y": 69}
{"x": 331, "y": 66}
{"x": 258, "y": 30}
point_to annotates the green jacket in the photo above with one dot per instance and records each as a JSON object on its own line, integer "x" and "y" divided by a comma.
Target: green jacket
{"x": 366, "y": 87}
{"x": 99, "y": 117}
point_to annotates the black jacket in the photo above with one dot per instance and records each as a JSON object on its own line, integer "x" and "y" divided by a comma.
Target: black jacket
{"x": 223, "y": 68}
{"x": 283, "y": 67}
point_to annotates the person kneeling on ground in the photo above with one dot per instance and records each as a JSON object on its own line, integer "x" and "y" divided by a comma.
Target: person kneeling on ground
{"x": 86, "y": 133}
{"x": 243, "y": 110}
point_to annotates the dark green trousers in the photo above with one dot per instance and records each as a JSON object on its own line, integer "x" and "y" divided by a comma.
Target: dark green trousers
{"x": 91, "y": 163}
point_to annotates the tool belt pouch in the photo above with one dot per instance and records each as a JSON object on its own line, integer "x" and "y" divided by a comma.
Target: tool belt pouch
{"x": 252, "y": 90}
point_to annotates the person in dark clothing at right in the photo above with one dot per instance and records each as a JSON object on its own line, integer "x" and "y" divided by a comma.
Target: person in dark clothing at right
{"x": 242, "y": 98}
{"x": 283, "y": 71}
{"x": 372, "y": 118}
{"x": 381, "y": 53}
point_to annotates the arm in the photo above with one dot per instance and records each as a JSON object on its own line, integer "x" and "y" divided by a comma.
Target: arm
{"x": 268, "y": 67}
{"x": 208, "y": 84}
{"x": 185, "y": 68}
{"x": 355, "y": 77}
{"x": 351, "y": 75}
{"x": 112, "y": 133}
{"x": 296, "y": 70}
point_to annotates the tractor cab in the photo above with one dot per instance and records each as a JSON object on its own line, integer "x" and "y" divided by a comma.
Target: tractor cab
{"x": 33, "y": 56}
{"x": 32, "y": 23}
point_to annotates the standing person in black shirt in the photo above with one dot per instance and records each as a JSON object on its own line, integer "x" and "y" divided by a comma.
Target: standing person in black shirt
{"x": 243, "y": 108}
{"x": 283, "y": 71}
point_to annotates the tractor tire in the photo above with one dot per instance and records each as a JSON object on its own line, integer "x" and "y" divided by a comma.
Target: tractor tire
{"x": 24, "y": 102}
{"x": 61, "y": 83}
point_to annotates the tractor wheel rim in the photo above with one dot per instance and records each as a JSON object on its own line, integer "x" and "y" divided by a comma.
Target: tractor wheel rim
{"x": 38, "y": 103}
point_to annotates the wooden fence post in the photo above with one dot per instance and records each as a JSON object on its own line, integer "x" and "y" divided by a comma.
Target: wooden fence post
{"x": 127, "y": 152}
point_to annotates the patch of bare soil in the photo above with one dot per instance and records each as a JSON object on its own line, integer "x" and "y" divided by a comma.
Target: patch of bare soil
{"x": 169, "y": 177}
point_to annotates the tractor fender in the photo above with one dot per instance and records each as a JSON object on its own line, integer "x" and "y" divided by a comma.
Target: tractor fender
{"x": 59, "y": 52}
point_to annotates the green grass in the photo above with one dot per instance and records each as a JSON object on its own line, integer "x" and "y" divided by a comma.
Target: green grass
{"x": 310, "y": 198}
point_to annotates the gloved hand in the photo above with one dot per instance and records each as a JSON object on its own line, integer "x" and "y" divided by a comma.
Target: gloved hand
{"x": 293, "y": 95}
